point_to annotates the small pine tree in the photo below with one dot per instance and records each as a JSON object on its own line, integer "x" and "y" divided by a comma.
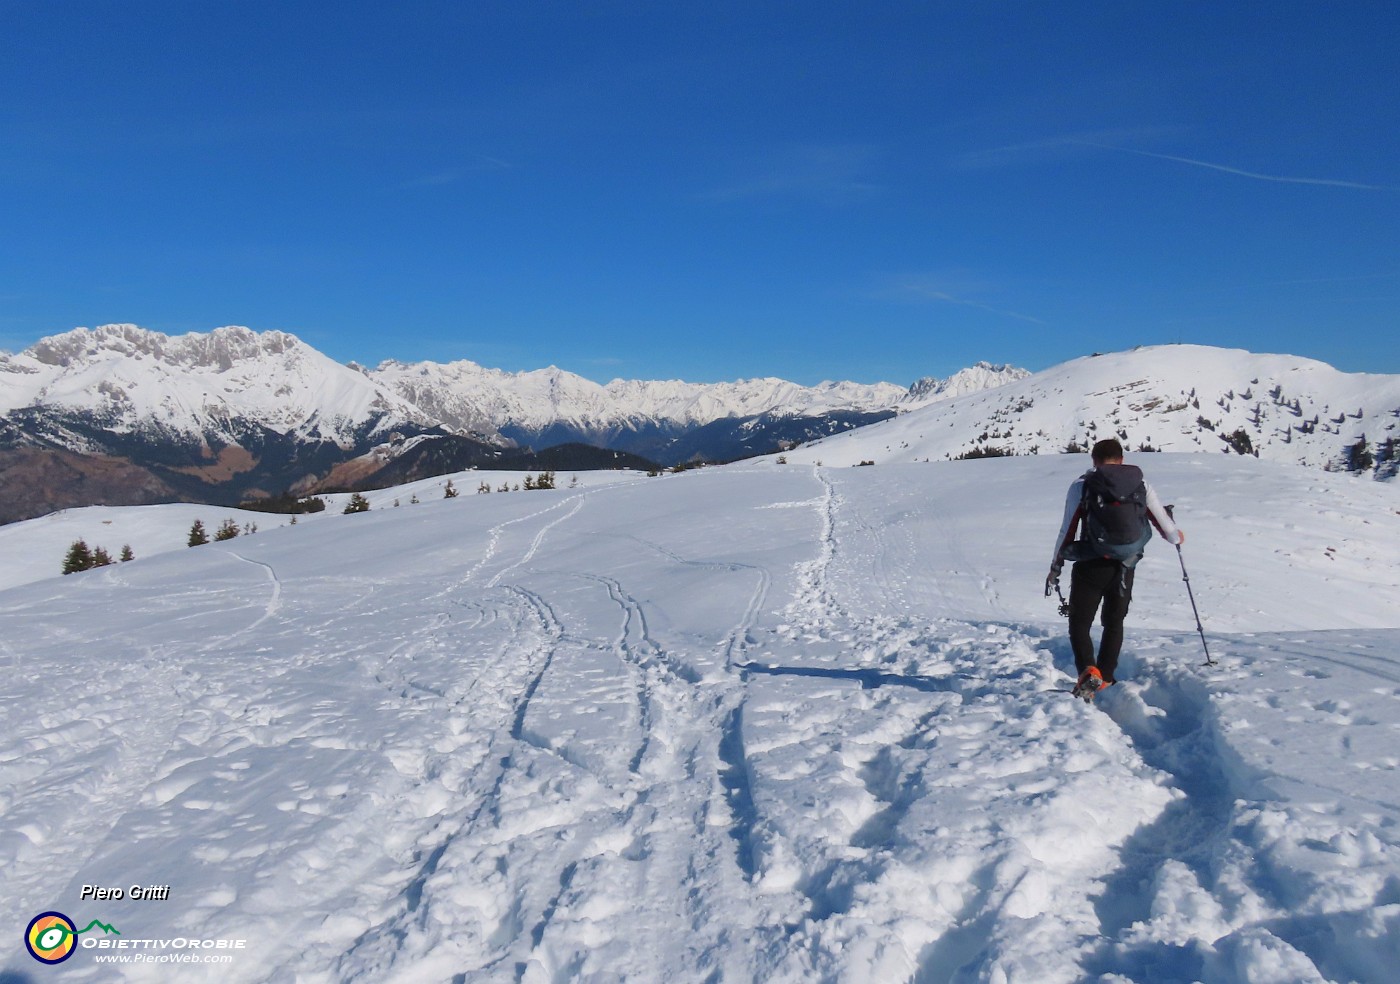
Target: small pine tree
{"x": 451, "y": 491}
{"x": 413, "y": 501}
{"x": 1240, "y": 442}
{"x": 505, "y": 487}
{"x": 197, "y": 535}
{"x": 1360, "y": 458}
{"x": 78, "y": 558}
{"x": 357, "y": 504}
{"x": 101, "y": 558}
{"x": 545, "y": 481}
{"x": 529, "y": 482}
{"x": 573, "y": 482}
{"x": 126, "y": 553}
{"x": 484, "y": 488}
{"x": 293, "y": 520}
{"x": 227, "y": 530}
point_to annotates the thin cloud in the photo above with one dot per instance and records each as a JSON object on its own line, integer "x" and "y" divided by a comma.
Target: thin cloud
{"x": 436, "y": 180}
{"x": 932, "y": 290}
{"x": 1240, "y": 172}
{"x": 448, "y": 176}
{"x": 831, "y": 173}
{"x": 1357, "y": 278}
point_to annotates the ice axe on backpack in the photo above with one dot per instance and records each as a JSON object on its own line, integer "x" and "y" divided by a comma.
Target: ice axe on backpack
{"x": 1190, "y": 594}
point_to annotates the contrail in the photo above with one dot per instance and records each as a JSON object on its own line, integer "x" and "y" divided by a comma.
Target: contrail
{"x": 1280, "y": 179}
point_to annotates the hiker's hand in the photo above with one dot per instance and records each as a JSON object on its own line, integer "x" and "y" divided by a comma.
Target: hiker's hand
{"x": 1181, "y": 536}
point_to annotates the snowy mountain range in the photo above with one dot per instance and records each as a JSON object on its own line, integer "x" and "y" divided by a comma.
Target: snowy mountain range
{"x": 120, "y": 414}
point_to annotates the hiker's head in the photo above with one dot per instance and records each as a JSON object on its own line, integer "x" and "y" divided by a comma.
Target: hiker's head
{"x": 1108, "y": 452}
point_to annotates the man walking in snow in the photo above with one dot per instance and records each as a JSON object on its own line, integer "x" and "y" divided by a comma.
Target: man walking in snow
{"x": 1110, "y": 507}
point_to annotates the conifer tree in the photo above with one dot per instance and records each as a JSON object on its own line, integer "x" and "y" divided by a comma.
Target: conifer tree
{"x": 78, "y": 558}
{"x": 197, "y": 535}
{"x": 451, "y": 491}
{"x": 529, "y": 482}
{"x": 357, "y": 504}
{"x": 126, "y": 553}
{"x": 227, "y": 530}
{"x": 100, "y": 557}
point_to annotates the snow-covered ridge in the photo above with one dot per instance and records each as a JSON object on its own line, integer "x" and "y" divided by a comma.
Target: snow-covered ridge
{"x": 199, "y": 383}
{"x": 1168, "y": 398}
{"x": 125, "y": 376}
{"x": 466, "y": 395}
{"x": 973, "y": 379}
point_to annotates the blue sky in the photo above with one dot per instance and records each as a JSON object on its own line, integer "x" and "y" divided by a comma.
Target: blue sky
{"x": 708, "y": 191}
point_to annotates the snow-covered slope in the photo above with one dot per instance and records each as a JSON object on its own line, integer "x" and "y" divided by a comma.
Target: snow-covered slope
{"x": 33, "y": 550}
{"x": 764, "y": 722}
{"x": 1170, "y": 398}
{"x": 127, "y": 379}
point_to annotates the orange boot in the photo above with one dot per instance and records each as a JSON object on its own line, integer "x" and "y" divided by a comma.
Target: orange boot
{"x": 1089, "y": 683}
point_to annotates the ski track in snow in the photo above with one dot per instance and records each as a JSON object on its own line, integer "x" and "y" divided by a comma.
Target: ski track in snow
{"x": 274, "y": 602}
{"x": 799, "y": 737}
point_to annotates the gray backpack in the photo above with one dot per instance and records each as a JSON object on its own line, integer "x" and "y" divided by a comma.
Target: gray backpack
{"x": 1115, "y": 525}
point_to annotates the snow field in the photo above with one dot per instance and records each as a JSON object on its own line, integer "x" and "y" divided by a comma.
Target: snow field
{"x": 34, "y": 549}
{"x": 759, "y": 722}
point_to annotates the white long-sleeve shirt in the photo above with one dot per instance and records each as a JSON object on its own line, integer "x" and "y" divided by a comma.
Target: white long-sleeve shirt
{"x": 1074, "y": 513}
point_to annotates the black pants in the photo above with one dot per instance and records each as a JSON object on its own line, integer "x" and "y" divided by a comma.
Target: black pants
{"x": 1091, "y": 583}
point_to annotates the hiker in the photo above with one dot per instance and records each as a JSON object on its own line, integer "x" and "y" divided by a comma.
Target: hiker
{"x": 1114, "y": 505}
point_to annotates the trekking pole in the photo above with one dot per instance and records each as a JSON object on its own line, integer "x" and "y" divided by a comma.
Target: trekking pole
{"x": 1190, "y": 594}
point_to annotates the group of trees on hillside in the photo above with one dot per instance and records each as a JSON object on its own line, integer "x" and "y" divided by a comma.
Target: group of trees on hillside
{"x": 228, "y": 530}
{"x": 545, "y": 480}
{"x": 82, "y": 558}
